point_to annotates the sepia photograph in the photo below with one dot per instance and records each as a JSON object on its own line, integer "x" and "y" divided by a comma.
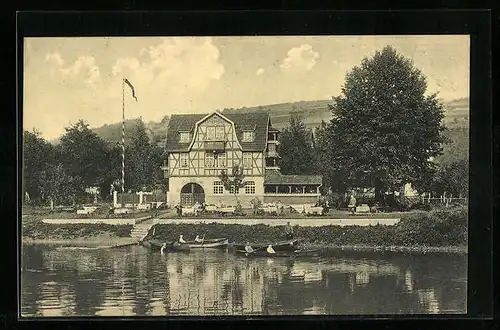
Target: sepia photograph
{"x": 244, "y": 175}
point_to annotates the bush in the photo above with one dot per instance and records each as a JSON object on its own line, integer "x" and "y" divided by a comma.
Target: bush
{"x": 442, "y": 227}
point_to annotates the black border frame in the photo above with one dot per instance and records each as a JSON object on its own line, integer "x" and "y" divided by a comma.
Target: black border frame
{"x": 476, "y": 23}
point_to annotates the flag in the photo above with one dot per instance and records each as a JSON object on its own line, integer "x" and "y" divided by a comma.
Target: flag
{"x": 132, "y": 88}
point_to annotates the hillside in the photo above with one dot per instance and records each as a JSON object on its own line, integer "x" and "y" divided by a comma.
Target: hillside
{"x": 311, "y": 112}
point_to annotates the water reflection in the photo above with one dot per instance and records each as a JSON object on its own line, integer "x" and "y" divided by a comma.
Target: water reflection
{"x": 133, "y": 281}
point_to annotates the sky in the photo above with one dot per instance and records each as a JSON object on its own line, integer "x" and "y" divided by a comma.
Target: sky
{"x": 67, "y": 79}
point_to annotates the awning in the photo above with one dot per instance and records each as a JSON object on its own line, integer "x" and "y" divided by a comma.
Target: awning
{"x": 274, "y": 177}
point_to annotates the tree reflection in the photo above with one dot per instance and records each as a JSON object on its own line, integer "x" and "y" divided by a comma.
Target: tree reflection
{"x": 136, "y": 281}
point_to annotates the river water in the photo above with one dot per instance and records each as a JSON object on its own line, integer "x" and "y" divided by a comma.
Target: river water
{"x": 133, "y": 281}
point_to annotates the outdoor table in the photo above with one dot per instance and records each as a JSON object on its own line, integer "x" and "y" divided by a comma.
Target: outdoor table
{"x": 86, "y": 210}
{"x": 270, "y": 209}
{"x": 229, "y": 209}
{"x": 211, "y": 208}
{"x": 314, "y": 209}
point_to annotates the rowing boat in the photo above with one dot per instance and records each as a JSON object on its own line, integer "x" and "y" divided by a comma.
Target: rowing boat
{"x": 208, "y": 243}
{"x": 170, "y": 246}
{"x": 289, "y": 245}
{"x": 292, "y": 254}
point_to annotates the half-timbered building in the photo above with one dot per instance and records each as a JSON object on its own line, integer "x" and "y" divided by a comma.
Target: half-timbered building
{"x": 200, "y": 146}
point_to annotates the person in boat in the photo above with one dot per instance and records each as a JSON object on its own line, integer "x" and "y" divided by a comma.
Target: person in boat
{"x": 163, "y": 248}
{"x": 248, "y": 248}
{"x": 288, "y": 231}
{"x": 198, "y": 239}
{"x": 270, "y": 249}
{"x": 181, "y": 239}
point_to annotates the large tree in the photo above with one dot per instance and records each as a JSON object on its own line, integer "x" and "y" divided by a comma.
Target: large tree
{"x": 332, "y": 178}
{"x": 86, "y": 156}
{"x": 60, "y": 187}
{"x": 295, "y": 148}
{"x": 385, "y": 128}
{"x": 37, "y": 154}
{"x": 142, "y": 160}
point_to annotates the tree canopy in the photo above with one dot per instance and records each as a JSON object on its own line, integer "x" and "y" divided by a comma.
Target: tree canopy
{"x": 38, "y": 154}
{"x": 142, "y": 160}
{"x": 233, "y": 182}
{"x": 385, "y": 128}
{"x": 83, "y": 160}
{"x": 295, "y": 148}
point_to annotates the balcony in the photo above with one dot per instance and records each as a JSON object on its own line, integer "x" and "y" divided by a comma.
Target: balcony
{"x": 272, "y": 136}
{"x": 272, "y": 154}
{"x": 214, "y": 145}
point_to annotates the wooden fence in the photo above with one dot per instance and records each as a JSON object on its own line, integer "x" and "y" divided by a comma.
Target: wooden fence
{"x": 443, "y": 200}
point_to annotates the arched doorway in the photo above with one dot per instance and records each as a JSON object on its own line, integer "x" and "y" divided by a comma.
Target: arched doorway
{"x": 192, "y": 193}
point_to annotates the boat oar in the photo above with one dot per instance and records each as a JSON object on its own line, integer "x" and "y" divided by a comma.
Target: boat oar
{"x": 203, "y": 240}
{"x": 253, "y": 250}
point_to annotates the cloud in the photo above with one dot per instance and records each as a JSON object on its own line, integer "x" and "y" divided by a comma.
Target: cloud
{"x": 54, "y": 58}
{"x": 175, "y": 64}
{"x": 83, "y": 69}
{"x": 259, "y": 71}
{"x": 299, "y": 59}
{"x": 177, "y": 71}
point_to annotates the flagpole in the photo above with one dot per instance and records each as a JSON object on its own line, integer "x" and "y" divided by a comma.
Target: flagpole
{"x": 123, "y": 135}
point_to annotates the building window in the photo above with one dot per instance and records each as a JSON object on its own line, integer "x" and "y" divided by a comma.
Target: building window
{"x": 232, "y": 190}
{"x": 248, "y": 136}
{"x": 211, "y": 133}
{"x": 184, "y": 159}
{"x": 250, "y": 188}
{"x": 247, "y": 160}
{"x": 216, "y": 160}
{"x": 218, "y": 188}
{"x": 209, "y": 159}
{"x": 219, "y": 132}
{"x": 221, "y": 159}
{"x": 185, "y": 137}
{"x": 271, "y": 148}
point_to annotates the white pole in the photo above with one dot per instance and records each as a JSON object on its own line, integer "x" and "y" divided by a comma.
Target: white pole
{"x": 123, "y": 135}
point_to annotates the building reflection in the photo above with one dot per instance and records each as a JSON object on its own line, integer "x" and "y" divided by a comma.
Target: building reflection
{"x": 134, "y": 281}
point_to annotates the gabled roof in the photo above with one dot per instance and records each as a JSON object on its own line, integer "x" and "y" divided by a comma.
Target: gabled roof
{"x": 179, "y": 123}
{"x": 275, "y": 177}
{"x": 256, "y": 121}
{"x": 242, "y": 121}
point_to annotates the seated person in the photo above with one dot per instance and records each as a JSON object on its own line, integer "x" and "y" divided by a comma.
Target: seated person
{"x": 198, "y": 239}
{"x": 270, "y": 249}
{"x": 248, "y": 248}
{"x": 181, "y": 240}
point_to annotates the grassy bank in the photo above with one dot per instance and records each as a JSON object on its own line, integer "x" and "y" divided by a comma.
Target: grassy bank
{"x": 100, "y": 241}
{"x": 439, "y": 230}
{"x": 34, "y": 229}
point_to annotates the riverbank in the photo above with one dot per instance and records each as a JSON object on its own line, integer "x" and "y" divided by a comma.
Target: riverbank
{"x": 101, "y": 241}
{"x": 424, "y": 232}
{"x": 35, "y": 231}
{"x": 442, "y": 230}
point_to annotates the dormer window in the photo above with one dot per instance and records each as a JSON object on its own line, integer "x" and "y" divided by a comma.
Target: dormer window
{"x": 185, "y": 137}
{"x": 248, "y": 136}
